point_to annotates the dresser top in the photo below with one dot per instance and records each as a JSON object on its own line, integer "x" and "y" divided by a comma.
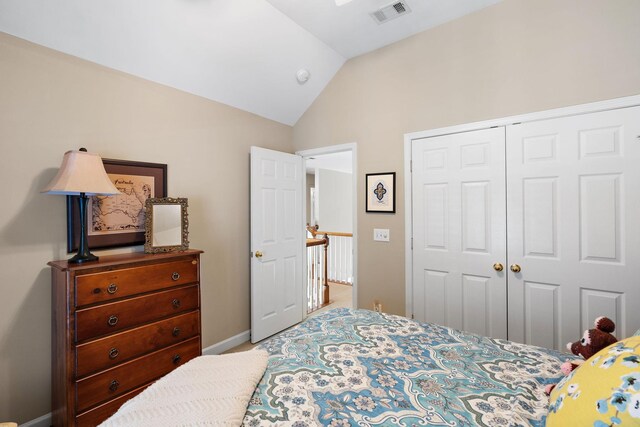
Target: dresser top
{"x": 108, "y": 260}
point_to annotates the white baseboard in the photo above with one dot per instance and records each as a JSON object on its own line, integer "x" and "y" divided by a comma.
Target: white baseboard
{"x": 43, "y": 421}
{"x": 228, "y": 344}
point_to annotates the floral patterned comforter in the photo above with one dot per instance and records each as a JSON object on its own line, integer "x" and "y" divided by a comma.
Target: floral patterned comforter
{"x": 361, "y": 368}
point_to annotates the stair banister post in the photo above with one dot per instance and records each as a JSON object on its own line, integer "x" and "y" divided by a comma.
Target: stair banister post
{"x": 326, "y": 273}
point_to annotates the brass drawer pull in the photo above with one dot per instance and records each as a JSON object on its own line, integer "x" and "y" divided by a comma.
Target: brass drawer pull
{"x": 112, "y": 288}
{"x": 175, "y": 276}
{"x": 113, "y": 320}
{"x": 114, "y": 385}
{"x": 176, "y": 331}
{"x": 176, "y": 303}
{"x": 113, "y": 353}
{"x": 176, "y": 359}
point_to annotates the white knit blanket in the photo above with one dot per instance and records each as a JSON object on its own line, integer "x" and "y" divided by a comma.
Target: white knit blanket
{"x": 206, "y": 391}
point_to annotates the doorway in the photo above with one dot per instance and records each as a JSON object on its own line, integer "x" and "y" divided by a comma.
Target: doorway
{"x": 330, "y": 207}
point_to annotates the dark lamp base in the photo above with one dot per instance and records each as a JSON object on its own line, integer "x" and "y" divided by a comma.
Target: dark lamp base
{"x": 80, "y": 258}
{"x": 83, "y": 254}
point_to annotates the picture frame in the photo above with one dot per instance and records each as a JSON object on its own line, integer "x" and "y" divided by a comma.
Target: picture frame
{"x": 126, "y": 226}
{"x": 380, "y": 191}
{"x": 166, "y": 225}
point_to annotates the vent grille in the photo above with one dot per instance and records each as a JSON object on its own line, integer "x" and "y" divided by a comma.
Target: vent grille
{"x": 387, "y": 13}
{"x": 399, "y": 7}
{"x": 379, "y": 16}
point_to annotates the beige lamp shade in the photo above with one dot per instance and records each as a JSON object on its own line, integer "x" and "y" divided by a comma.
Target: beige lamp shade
{"x": 81, "y": 172}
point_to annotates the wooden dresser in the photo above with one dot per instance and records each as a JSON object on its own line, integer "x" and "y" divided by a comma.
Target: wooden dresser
{"x": 119, "y": 324}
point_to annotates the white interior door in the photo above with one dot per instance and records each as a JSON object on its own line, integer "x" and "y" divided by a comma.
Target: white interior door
{"x": 277, "y": 242}
{"x": 459, "y": 226}
{"x": 574, "y": 204}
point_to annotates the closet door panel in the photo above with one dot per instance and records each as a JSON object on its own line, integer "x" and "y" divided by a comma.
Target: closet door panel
{"x": 436, "y": 284}
{"x": 540, "y": 219}
{"x": 595, "y": 303}
{"x": 458, "y": 192}
{"x": 541, "y": 313}
{"x": 601, "y": 225}
{"x": 572, "y": 225}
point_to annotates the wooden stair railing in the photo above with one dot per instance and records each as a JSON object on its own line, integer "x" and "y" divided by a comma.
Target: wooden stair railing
{"x": 335, "y": 233}
{"x": 340, "y": 256}
{"x": 325, "y": 284}
{"x": 313, "y": 230}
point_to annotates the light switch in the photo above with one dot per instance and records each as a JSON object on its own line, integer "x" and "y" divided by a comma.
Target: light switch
{"x": 381, "y": 234}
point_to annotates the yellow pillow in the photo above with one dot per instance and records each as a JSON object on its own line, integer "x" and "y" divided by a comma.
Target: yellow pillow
{"x": 604, "y": 391}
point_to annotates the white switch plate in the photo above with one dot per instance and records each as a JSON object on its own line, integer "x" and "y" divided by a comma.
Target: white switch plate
{"x": 381, "y": 234}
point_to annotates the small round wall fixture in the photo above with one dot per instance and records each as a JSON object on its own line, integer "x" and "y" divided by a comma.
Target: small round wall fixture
{"x": 303, "y": 75}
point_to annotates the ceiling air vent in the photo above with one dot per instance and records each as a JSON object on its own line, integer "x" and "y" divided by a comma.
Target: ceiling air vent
{"x": 390, "y": 12}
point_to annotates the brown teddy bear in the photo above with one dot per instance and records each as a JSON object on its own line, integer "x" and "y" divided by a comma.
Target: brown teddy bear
{"x": 592, "y": 342}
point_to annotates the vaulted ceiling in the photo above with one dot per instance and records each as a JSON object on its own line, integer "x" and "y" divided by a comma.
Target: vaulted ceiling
{"x": 243, "y": 53}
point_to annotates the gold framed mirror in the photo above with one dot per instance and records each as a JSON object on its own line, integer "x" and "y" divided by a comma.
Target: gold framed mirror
{"x": 166, "y": 225}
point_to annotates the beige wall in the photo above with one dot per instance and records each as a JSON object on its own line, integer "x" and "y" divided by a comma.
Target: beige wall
{"x": 515, "y": 57}
{"x": 50, "y": 103}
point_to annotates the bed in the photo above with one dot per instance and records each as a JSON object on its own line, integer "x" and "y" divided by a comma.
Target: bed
{"x": 360, "y": 368}
{"x": 356, "y": 368}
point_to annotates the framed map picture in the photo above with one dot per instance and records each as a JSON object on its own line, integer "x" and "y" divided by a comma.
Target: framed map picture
{"x": 381, "y": 192}
{"x": 118, "y": 220}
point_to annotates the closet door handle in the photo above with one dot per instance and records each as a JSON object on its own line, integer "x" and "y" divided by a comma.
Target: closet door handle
{"x": 515, "y": 268}
{"x": 498, "y": 267}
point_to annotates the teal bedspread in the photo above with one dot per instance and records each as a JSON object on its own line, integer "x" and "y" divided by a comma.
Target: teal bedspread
{"x": 361, "y": 368}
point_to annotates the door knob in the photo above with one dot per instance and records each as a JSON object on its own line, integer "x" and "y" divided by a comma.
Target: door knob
{"x": 515, "y": 268}
{"x": 498, "y": 267}
{"x": 258, "y": 254}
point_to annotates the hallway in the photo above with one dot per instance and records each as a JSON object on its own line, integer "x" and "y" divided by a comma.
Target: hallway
{"x": 340, "y": 297}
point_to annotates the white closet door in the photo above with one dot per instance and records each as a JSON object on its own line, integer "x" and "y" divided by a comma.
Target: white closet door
{"x": 459, "y": 231}
{"x": 574, "y": 225}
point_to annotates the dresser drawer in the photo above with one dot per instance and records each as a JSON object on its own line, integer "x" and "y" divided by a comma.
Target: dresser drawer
{"x": 95, "y": 416}
{"x": 108, "y": 285}
{"x": 128, "y": 376}
{"x": 112, "y": 317}
{"x": 114, "y": 349}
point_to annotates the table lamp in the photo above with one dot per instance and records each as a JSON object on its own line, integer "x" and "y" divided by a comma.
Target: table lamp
{"x": 81, "y": 174}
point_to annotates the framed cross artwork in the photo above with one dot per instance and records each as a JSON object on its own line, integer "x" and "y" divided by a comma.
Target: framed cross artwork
{"x": 380, "y": 192}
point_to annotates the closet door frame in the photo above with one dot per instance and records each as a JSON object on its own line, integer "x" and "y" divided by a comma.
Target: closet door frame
{"x": 612, "y": 104}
